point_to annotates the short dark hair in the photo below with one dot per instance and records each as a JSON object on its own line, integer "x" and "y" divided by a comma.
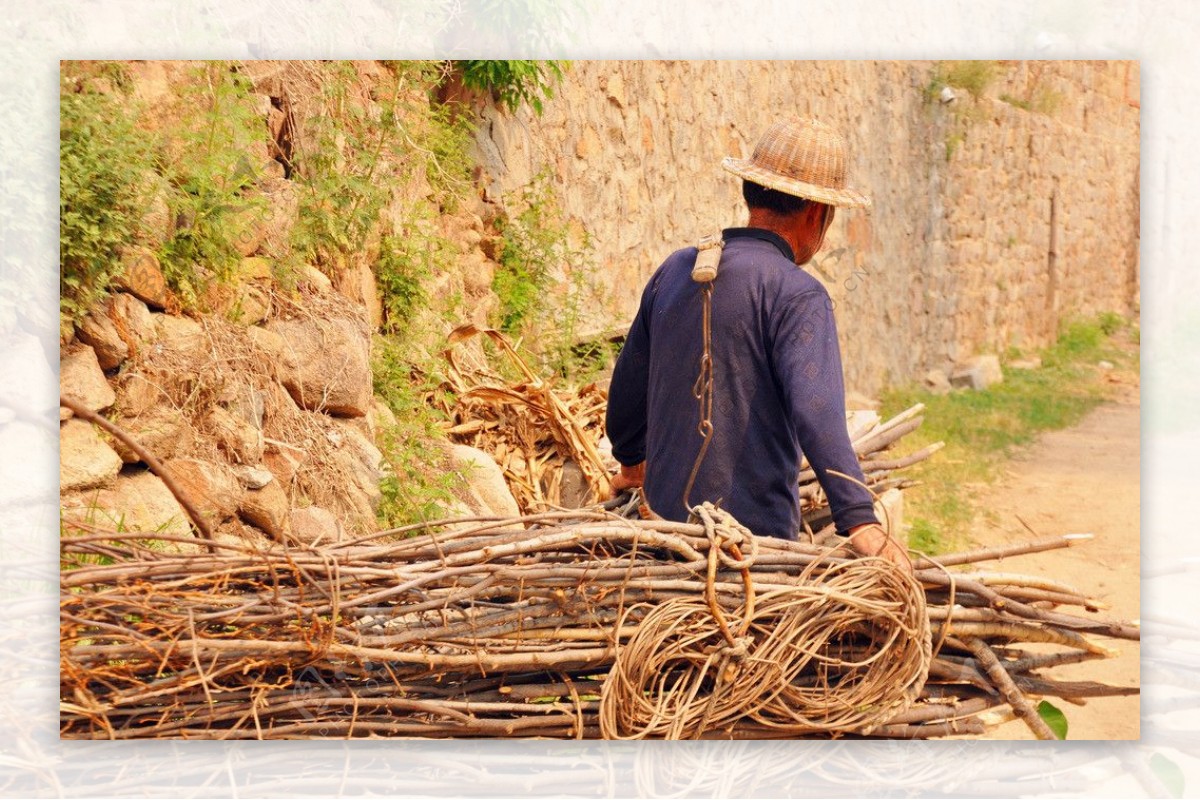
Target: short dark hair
{"x": 758, "y": 196}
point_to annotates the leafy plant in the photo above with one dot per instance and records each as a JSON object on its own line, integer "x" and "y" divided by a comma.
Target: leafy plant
{"x": 973, "y": 76}
{"x": 103, "y": 164}
{"x": 1054, "y": 718}
{"x": 354, "y": 157}
{"x": 512, "y": 83}
{"x": 418, "y": 486}
{"x": 210, "y": 168}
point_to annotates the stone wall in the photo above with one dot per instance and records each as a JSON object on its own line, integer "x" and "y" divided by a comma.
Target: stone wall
{"x": 952, "y": 261}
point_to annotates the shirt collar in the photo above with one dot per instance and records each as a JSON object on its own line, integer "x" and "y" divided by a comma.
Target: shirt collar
{"x": 764, "y": 235}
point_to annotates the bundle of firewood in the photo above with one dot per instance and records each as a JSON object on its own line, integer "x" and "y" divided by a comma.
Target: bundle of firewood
{"x": 534, "y": 429}
{"x": 578, "y": 624}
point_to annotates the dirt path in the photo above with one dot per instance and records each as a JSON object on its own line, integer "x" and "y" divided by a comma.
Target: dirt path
{"x": 1081, "y": 480}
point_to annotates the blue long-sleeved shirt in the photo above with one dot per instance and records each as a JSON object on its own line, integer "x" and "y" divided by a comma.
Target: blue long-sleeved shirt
{"x": 777, "y": 393}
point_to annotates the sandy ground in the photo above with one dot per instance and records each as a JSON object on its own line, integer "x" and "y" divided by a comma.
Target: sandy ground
{"x": 1081, "y": 480}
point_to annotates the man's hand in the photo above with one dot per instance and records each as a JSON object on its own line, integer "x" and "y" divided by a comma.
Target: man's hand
{"x": 629, "y": 478}
{"x": 873, "y": 540}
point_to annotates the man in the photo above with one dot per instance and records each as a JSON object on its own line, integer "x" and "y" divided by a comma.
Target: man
{"x": 777, "y": 390}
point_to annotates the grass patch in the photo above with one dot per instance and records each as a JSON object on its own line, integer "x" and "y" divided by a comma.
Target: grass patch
{"x": 982, "y": 429}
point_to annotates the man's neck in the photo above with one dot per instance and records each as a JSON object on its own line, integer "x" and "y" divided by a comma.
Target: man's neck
{"x": 778, "y": 224}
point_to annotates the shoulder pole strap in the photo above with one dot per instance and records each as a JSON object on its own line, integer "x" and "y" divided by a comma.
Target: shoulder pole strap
{"x": 704, "y": 272}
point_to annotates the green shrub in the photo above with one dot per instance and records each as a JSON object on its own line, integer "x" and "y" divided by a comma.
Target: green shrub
{"x": 512, "y": 83}
{"x": 1111, "y": 322}
{"x": 353, "y": 160}
{"x": 973, "y": 76}
{"x": 103, "y": 165}
{"x": 208, "y": 164}
{"x": 418, "y": 485}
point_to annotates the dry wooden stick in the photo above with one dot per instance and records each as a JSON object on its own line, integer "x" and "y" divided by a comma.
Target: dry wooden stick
{"x": 1012, "y": 695}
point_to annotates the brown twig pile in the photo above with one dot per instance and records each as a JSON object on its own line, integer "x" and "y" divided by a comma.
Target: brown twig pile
{"x": 576, "y": 624}
{"x": 532, "y": 428}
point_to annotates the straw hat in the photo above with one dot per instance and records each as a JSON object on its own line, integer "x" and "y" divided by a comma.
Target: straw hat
{"x": 803, "y": 158}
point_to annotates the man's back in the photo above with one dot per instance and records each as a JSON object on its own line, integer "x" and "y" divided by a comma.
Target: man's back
{"x": 777, "y": 389}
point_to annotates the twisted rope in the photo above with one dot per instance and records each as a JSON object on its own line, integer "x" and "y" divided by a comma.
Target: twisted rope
{"x": 848, "y": 646}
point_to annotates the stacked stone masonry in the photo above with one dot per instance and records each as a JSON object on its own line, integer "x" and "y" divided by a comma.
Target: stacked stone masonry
{"x": 953, "y": 259}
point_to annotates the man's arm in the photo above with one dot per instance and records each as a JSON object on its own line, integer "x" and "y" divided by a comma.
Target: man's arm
{"x": 808, "y": 365}
{"x": 625, "y": 418}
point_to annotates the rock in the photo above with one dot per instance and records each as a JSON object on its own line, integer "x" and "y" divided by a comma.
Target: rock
{"x": 283, "y": 460}
{"x": 573, "y": 490}
{"x": 978, "y": 373}
{"x": 282, "y": 209}
{"x": 163, "y": 430}
{"x": 98, "y": 330}
{"x": 253, "y": 477}
{"x": 269, "y": 342}
{"x": 247, "y": 404}
{"x": 255, "y": 268}
{"x": 238, "y": 533}
{"x": 489, "y": 493}
{"x": 266, "y": 508}
{"x": 1026, "y": 363}
{"x": 359, "y": 458}
{"x": 1105, "y": 365}
{"x": 327, "y": 365}
{"x": 357, "y": 284}
{"x": 81, "y": 378}
{"x": 314, "y": 525}
{"x": 136, "y": 393}
{"x": 318, "y": 280}
{"x": 85, "y": 460}
{"x": 859, "y": 422}
{"x": 239, "y": 440}
{"x": 478, "y": 271}
{"x": 139, "y": 502}
{"x": 249, "y": 224}
{"x": 212, "y": 488}
{"x": 143, "y": 277}
{"x": 616, "y": 89}
{"x": 381, "y": 415}
{"x": 250, "y": 306}
{"x": 935, "y": 381}
{"x": 178, "y": 333}
{"x": 134, "y": 315}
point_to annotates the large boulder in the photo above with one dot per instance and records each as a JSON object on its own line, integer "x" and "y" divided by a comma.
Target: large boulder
{"x": 239, "y": 440}
{"x": 163, "y": 430}
{"x": 137, "y": 392}
{"x": 313, "y": 525}
{"x": 213, "y": 489}
{"x": 85, "y": 459}
{"x": 283, "y": 460}
{"x": 140, "y": 502}
{"x": 179, "y": 334}
{"x": 488, "y": 492}
{"x": 327, "y": 365}
{"x": 143, "y": 277}
{"x": 82, "y": 379}
{"x": 99, "y": 331}
{"x": 267, "y": 509}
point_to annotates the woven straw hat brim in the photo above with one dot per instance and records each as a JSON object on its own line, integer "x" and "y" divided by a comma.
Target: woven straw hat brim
{"x": 842, "y": 198}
